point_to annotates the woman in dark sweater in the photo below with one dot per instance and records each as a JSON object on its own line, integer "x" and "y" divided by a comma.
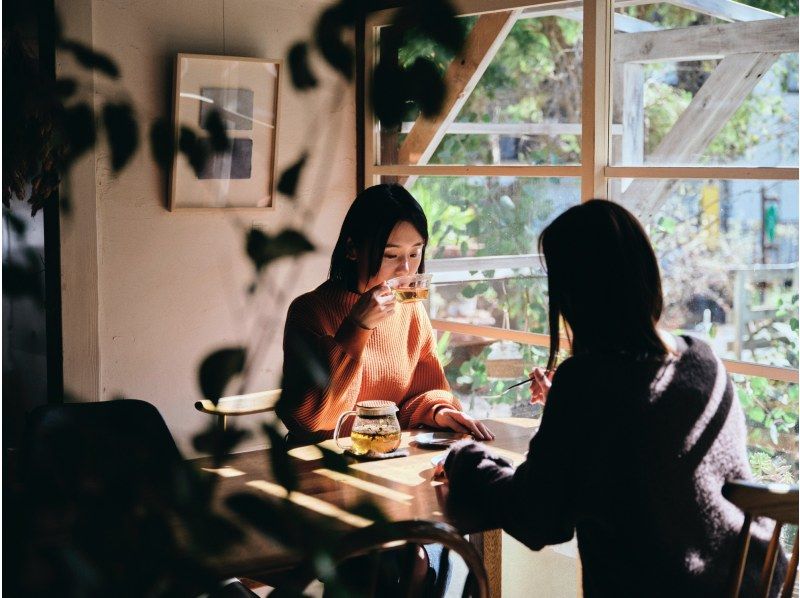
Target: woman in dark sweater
{"x": 639, "y": 433}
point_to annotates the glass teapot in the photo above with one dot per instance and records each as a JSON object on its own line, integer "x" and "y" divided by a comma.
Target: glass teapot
{"x": 375, "y": 429}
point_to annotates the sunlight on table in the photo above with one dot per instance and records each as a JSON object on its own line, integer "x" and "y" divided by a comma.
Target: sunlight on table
{"x": 311, "y": 503}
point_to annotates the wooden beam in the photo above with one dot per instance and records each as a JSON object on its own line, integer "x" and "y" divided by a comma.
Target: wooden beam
{"x": 512, "y": 129}
{"x": 622, "y": 22}
{"x": 596, "y": 98}
{"x": 516, "y": 169}
{"x": 712, "y": 106}
{"x": 743, "y": 173}
{"x": 727, "y": 10}
{"x": 482, "y": 43}
{"x": 708, "y": 41}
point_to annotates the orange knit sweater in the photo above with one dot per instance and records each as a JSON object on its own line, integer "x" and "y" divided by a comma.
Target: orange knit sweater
{"x": 396, "y": 361}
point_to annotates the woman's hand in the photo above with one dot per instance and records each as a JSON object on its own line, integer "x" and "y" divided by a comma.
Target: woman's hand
{"x": 374, "y": 306}
{"x": 459, "y": 421}
{"x": 541, "y": 381}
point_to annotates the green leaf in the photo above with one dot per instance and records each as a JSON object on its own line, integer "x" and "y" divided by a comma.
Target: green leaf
{"x": 668, "y": 225}
{"x": 91, "y": 59}
{"x": 218, "y": 369}
{"x": 369, "y": 510}
{"x": 215, "y": 126}
{"x": 162, "y": 143}
{"x": 425, "y": 86}
{"x": 196, "y": 150}
{"x": 388, "y": 94}
{"x": 122, "y": 132}
{"x": 302, "y": 76}
{"x": 291, "y": 176}
{"x": 281, "y": 463}
{"x": 328, "y": 36}
{"x": 793, "y": 324}
{"x": 264, "y": 249}
{"x": 218, "y": 442}
{"x": 65, "y": 88}
{"x": 756, "y": 414}
{"x": 79, "y": 130}
{"x": 481, "y": 288}
{"x": 468, "y": 292}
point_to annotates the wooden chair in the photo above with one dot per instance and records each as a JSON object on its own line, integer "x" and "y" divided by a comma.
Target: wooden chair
{"x": 378, "y": 538}
{"x": 775, "y": 501}
{"x": 257, "y": 402}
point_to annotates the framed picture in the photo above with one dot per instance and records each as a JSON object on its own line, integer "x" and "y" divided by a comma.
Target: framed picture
{"x": 243, "y": 93}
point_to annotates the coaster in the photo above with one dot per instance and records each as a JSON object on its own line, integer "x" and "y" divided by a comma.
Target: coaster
{"x": 373, "y": 456}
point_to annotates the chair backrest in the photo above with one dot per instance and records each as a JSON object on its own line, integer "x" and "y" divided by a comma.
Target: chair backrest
{"x": 775, "y": 501}
{"x": 380, "y": 537}
{"x": 122, "y": 442}
{"x": 256, "y": 402}
{"x": 249, "y": 404}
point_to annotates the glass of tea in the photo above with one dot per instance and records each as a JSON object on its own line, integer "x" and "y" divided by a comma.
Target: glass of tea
{"x": 407, "y": 289}
{"x": 375, "y": 429}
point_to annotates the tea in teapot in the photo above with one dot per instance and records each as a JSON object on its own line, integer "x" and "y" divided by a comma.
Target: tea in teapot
{"x": 375, "y": 429}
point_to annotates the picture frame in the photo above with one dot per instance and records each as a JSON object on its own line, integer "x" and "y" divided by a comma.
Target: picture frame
{"x": 245, "y": 93}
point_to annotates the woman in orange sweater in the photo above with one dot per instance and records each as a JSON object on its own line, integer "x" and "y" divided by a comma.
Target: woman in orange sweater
{"x": 348, "y": 341}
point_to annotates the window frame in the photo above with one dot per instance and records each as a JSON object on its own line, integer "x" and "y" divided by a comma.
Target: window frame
{"x": 595, "y": 170}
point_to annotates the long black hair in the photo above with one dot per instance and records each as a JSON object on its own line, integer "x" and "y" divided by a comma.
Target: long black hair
{"x": 603, "y": 278}
{"x": 368, "y": 224}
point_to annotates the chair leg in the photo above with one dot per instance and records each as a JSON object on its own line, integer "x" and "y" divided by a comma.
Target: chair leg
{"x": 742, "y": 545}
{"x": 222, "y": 422}
{"x": 791, "y": 574}
{"x": 769, "y": 561}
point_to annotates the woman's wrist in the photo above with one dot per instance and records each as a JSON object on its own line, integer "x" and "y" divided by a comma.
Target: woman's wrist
{"x": 359, "y": 323}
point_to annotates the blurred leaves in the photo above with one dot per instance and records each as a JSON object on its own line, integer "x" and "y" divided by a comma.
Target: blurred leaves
{"x": 79, "y": 131}
{"x": 162, "y": 143}
{"x": 123, "y": 133}
{"x": 264, "y": 249}
{"x": 328, "y": 36}
{"x": 218, "y": 442}
{"x": 291, "y": 176}
{"x": 333, "y": 460}
{"x": 197, "y": 150}
{"x": 90, "y": 58}
{"x": 281, "y": 463}
{"x": 395, "y": 90}
{"x": 216, "y": 129}
{"x": 218, "y": 369}
{"x": 302, "y": 77}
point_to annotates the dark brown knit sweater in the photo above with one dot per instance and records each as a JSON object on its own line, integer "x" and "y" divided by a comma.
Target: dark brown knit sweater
{"x": 632, "y": 455}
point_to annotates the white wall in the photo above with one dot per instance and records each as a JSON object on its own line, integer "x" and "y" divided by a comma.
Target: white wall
{"x": 171, "y": 287}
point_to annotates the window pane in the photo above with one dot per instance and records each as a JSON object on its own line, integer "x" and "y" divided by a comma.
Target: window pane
{"x": 771, "y": 412}
{"x": 478, "y": 369}
{"x": 525, "y": 107}
{"x": 728, "y": 256}
{"x": 694, "y": 88}
{"x": 482, "y": 249}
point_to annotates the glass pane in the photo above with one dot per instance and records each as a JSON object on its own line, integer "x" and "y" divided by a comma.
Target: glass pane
{"x": 478, "y": 369}
{"x": 728, "y": 254}
{"x": 694, "y": 88}
{"x": 525, "y": 107}
{"x": 482, "y": 249}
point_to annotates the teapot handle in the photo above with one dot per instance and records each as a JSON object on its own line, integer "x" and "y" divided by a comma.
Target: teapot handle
{"x": 338, "y": 428}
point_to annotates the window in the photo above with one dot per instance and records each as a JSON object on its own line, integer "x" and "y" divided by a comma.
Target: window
{"x": 686, "y": 116}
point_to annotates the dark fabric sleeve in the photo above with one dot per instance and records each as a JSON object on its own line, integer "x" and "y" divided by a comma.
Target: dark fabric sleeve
{"x": 535, "y": 503}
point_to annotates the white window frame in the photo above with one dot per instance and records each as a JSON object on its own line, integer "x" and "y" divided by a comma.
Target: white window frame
{"x": 595, "y": 170}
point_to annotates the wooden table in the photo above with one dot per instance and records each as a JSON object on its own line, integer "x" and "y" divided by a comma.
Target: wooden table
{"x": 403, "y": 488}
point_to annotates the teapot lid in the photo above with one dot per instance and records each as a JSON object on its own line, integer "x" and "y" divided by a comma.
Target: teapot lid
{"x": 376, "y": 408}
